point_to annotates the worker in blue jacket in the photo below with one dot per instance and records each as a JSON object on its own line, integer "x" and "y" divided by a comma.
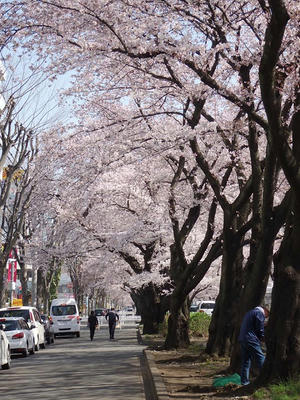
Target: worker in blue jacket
{"x": 250, "y": 337}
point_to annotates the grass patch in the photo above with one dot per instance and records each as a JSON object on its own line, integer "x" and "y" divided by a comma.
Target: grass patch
{"x": 289, "y": 390}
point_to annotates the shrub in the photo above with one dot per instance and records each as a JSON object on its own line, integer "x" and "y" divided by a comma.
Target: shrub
{"x": 199, "y": 324}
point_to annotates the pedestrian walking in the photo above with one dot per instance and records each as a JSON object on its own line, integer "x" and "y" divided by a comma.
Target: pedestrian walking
{"x": 112, "y": 318}
{"x": 92, "y": 324}
{"x": 250, "y": 337}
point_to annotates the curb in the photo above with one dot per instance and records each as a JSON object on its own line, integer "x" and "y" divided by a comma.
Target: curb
{"x": 156, "y": 381}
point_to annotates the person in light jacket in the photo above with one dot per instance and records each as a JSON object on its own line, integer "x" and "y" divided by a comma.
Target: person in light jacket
{"x": 250, "y": 337}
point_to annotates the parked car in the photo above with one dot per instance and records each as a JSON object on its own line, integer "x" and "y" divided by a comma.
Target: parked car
{"x": 207, "y": 306}
{"x": 49, "y": 333}
{"x": 19, "y": 335}
{"x": 194, "y": 308}
{"x": 129, "y": 311}
{"x": 100, "y": 312}
{"x": 32, "y": 317}
{"x": 5, "y": 361}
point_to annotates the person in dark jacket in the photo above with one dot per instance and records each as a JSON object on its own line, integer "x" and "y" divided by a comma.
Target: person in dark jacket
{"x": 92, "y": 323}
{"x": 112, "y": 318}
{"x": 251, "y": 334}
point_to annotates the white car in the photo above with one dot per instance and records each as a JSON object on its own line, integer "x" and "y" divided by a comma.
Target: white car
{"x": 65, "y": 317}
{"x": 129, "y": 311}
{"x": 194, "y": 307}
{"x": 4, "y": 349}
{"x": 19, "y": 335}
{"x": 207, "y": 306}
{"x": 32, "y": 317}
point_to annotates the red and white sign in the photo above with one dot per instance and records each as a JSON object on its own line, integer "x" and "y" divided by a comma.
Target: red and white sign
{"x": 12, "y": 271}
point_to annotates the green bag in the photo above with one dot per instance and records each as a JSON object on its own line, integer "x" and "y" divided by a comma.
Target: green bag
{"x": 225, "y": 380}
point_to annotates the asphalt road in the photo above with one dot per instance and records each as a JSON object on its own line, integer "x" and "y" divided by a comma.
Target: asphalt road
{"x": 78, "y": 369}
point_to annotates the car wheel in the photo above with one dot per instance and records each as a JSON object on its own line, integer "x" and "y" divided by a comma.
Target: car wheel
{"x": 25, "y": 352}
{"x": 37, "y": 346}
{"x": 7, "y": 365}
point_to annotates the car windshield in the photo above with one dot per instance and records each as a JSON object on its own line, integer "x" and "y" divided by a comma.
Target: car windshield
{"x": 10, "y": 325}
{"x": 99, "y": 312}
{"x": 208, "y": 305}
{"x": 193, "y": 308}
{"x": 64, "y": 310}
{"x": 15, "y": 313}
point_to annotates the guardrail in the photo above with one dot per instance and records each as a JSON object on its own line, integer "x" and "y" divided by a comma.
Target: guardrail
{"x": 123, "y": 321}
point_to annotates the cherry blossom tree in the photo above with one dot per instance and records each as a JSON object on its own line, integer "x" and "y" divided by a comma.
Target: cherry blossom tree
{"x": 119, "y": 212}
{"x": 204, "y": 65}
{"x": 276, "y": 70}
{"x": 17, "y": 152}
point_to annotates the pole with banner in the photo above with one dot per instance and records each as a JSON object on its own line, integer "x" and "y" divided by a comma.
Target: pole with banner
{"x": 12, "y": 277}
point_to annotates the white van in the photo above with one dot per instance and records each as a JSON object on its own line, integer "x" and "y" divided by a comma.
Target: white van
{"x": 65, "y": 317}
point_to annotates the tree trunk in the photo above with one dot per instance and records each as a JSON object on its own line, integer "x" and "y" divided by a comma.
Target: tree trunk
{"x": 80, "y": 303}
{"x": 3, "y": 284}
{"x": 75, "y": 272}
{"x": 23, "y": 274}
{"x": 54, "y": 283}
{"x": 4, "y": 255}
{"x": 283, "y": 332}
{"x": 258, "y": 267}
{"x": 46, "y": 300}
{"x": 39, "y": 289}
{"x": 178, "y": 324}
{"x": 178, "y": 321}
{"x": 151, "y": 306}
{"x": 24, "y": 280}
{"x": 224, "y": 318}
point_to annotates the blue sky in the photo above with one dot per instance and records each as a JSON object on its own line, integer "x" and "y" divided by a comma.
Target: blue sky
{"x": 36, "y": 94}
